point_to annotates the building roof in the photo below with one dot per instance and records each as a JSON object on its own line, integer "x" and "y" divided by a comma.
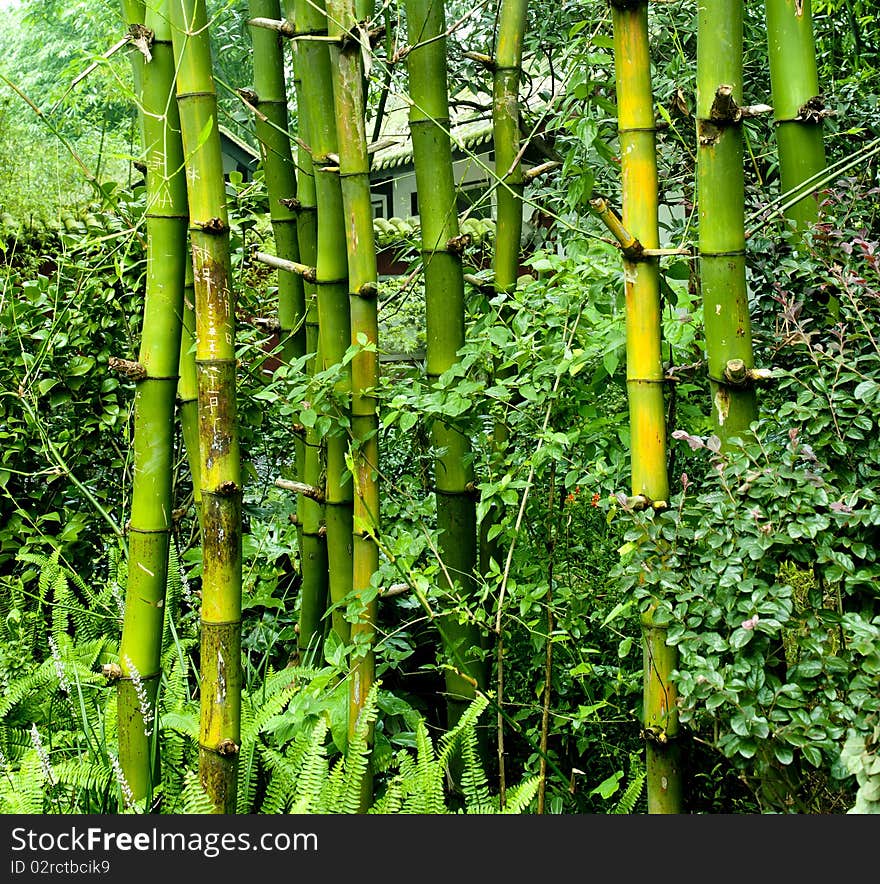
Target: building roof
{"x": 470, "y": 124}
{"x": 242, "y": 146}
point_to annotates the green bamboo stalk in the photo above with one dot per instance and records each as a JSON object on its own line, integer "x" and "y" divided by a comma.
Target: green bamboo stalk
{"x": 220, "y": 718}
{"x": 151, "y": 500}
{"x": 506, "y": 141}
{"x": 720, "y": 200}
{"x": 644, "y": 372}
{"x": 445, "y": 330}
{"x": 316, "y": 92}
{"x": 354, "y": 172}
{"x": 797, "y": 106}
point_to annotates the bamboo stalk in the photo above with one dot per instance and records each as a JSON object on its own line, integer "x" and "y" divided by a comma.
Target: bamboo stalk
{"x": 219, "y": 460}
{"x": 151, "y": 499}
{"x": 644, "y": 370}
{"x": 797, "y": 104}
{"x": 444, "y": 307}
{"x": 334, "y": 320}
{"x": 354, "y": 171}
{"x": 188, "y": 389}
{"x": 720, "y": 199}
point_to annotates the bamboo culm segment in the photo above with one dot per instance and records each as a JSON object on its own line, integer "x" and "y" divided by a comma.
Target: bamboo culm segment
{"x": 334, "y": 320}
{"x": 720, "y": 200}
{"x": 219, "y": 459}
{"x": 644, "y": 371}
{"x": 188, "y": 388}
{"x": 151, "y": 506}
{"x": 354, "y": 170}
{"x": 794, "y": 80}
{"x": 445, "y": 330}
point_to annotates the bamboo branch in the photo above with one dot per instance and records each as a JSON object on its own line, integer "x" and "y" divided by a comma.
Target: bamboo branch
{"x": 309, "y": 491}
{"x": 282, "y": 26}
{"x": 307, "y": 273}
{"x": 629, "y": 245}
{"x": 481, "y": 58}
{"x": 531, "y": 174}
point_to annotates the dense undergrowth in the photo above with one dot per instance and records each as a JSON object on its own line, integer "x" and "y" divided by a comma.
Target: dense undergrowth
{"x": 765, "y": 564}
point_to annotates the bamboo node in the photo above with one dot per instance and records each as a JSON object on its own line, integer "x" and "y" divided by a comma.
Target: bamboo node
{"x": 655, "y": 734}
{"x": 735, "y": 372}
{"x": 213, "y": 225}
{"x": 142, "y": 39}
{"x": 111, "y": 671}
{"x": 724, "y": 107}
{"x": 227, "y": 747}
{"x": 813, "y": 111}
{"x": 459, "y": 243}
{"x": 134, "y": 371}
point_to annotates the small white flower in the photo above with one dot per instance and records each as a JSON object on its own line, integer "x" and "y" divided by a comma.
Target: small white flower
{"x": 143, "y": 697}
{"x": 127, "y": 794}
{"x": 59, "y": 666}
{"x": 45, "y": 764}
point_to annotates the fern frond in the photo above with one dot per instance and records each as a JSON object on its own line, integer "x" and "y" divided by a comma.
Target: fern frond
{"x": 467, "y": 721}
{"x": 28, "y": 686}
{"x": 22, "y": 791}
{"x": 314, "y": 772}
{"x": 193, "y": 798}
{"x": 518, "y": 798}
{"x": 637, "y": 773}
{"x": 82, "y": 775}
{"x": 185, "y": 723}
{"x": 474, "y": 782}
{"x": 357, "y": 755}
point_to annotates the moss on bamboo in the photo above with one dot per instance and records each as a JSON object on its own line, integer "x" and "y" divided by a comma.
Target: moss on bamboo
{"x": 219, "y": 459}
